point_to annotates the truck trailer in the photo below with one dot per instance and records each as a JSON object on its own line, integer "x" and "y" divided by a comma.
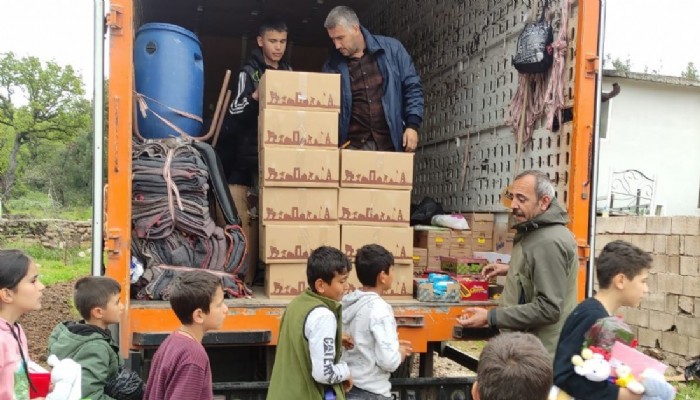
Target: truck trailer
{"x": 467, "y": 153}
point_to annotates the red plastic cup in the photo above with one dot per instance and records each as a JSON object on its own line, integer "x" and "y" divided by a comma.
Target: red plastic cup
{"x": 40, "y": 381}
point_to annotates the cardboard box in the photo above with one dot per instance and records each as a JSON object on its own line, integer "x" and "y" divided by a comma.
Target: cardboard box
{"x": 433, "y": 262}
{"x": 294, "y": 243}
{"x": 374, "y": 207}
{"x": 480, "y": 242}
{"x": 420, "y": 257}
{"x": 481, "y": 222}
{"x": 473, "y": 289}
{"x": 435, "y": 240}
{"x": 300, "y": 90}
{"x": 293, "y": 167}
{"x": 461, "y": 244}
{"x": 502, "y": 233}
{"x": 399, "y": 241}
{"x": 461, "y": 252}
{"x": 504, "y": 245}
{"x": 462, "y": 266}
{"x": 376, "y": 169}
{"x": 424, "y": 292}
{"x": 285, "y": 280}
{"x": 295, "y": 206}
{"x": 492, "y": 257}
{"x": 290, "y": 128}
{"x": 401, "y": 288}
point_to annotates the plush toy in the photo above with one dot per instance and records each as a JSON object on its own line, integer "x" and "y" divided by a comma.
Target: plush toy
{"x": 626, "y": 380}
{"x": 656, "y": 387}
{"x": 66, "y": 379}
{"x": 592, "y": 366}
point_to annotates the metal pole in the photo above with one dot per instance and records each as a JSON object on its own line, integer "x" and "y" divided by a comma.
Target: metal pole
{"x": 596, "y": 152}
{"x": 97, "y": 136}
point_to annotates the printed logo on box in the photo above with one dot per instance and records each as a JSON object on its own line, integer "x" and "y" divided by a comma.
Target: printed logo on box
{"x": 301, "y": 100}
{"x": 370, "y": 216}
{"x": 272, "y": 214}
{"x": 297, "y": 139}
{"x": 350, "y": 252}
{"x": 297, "y": 176}
{"x": 372, "y": 177}
{"x": 280, "y": 289}
{"x": 296, "y": 254}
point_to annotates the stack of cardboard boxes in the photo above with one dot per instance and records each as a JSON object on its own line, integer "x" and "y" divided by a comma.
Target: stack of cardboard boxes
{"x": 299, "y": 174}
{"x": 433, "y": 243}
{"x": 481, "y": 226}
{"x": 487, "y": 232}
{"x": 374, "y": 206}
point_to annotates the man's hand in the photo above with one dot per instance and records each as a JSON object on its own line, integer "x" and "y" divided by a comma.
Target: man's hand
{"x": 347, "y": 341}
{"x": 496, "y": 269}
{"x": 410, "y": 139}
{"x": 474, "y": 317}
{"x": 347, "y": 385}
{"x": 405, "y": 348}
{"x": 254, "y": 95}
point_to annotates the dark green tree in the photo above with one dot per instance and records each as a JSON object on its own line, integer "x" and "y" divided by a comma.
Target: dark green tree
{"x": 39, "y": 103}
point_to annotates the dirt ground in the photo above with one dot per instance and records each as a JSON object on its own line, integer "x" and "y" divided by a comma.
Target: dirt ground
{"x": 56, "y": 307}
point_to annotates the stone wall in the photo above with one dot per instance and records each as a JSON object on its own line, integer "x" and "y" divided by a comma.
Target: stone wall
{"x": 667, "y": 322}
{"x": 51, "y": 233}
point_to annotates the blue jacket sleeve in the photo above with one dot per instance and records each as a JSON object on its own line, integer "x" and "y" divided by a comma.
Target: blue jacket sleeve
{"x": 412, "y": 89}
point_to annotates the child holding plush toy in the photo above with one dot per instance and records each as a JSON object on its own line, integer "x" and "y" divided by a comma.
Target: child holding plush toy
{"x": 622, "y": 270}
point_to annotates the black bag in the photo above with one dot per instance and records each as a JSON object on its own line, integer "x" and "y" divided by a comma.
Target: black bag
{"x": 423, "y": 212}
{"x": 126, "y": 385}
{"x": 534, "y": 52}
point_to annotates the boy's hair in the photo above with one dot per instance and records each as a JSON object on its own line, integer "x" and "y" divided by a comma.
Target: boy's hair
{"x": 94, "y": 291}
{"x": 14, "y": 265}
{"x": 272, "y": 23}
{"x": 193, "y": 290}
{"x": 620, "y": 257}
{"x": 324, "y": 263}
{"x": 514, "y": 365}
{"x": 370, "y": 260}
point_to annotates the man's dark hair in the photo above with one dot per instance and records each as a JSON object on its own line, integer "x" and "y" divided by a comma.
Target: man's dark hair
{"x": 272, "y": 23}
{"x": 94, "y": 291}
{"x": 193, "y": 290}
{"x": 620, "y": 257}
{"x": 514, "y": 365}
{"x": 370, "y": 260}
{"x": 325, "y": 263}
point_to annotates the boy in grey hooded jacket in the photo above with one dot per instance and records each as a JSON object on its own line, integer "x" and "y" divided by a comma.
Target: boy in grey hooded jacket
{"x": 375, "y": 350}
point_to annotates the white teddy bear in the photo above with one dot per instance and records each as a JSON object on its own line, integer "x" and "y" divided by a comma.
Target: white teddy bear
{"x": 592, "y": 366}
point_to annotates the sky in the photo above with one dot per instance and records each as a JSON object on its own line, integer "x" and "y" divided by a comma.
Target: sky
{"x": 655, "y": 34}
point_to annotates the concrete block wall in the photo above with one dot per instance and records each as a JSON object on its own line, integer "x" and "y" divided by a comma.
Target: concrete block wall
{"x": 668, "y": 320}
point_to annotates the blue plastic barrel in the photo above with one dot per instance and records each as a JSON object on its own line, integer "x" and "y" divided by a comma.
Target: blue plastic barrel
{"x": 170, "y": 79}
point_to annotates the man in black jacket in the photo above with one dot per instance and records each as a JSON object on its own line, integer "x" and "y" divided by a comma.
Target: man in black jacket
{"x": 238, "y": 144}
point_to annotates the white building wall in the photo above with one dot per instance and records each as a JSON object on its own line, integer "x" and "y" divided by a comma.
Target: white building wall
{"x": 655, "y": 128}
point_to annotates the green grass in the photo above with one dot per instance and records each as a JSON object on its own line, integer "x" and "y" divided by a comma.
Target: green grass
{"x": 39, "y": 205}
{"x": 55, "y": 265}
{"x": 688, "y": 391}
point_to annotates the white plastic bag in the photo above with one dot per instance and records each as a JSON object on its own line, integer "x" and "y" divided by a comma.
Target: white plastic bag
{"x": 452, "y": 221}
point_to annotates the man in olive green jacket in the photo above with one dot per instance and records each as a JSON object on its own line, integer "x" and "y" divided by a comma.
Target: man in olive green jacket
{"x": 541, "y": 279}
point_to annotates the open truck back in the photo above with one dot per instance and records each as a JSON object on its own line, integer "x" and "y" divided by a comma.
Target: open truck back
{"x": 466, "y": 156}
